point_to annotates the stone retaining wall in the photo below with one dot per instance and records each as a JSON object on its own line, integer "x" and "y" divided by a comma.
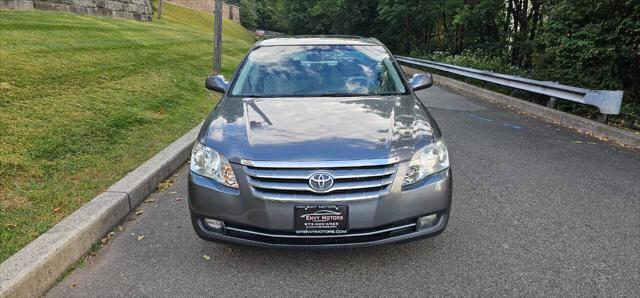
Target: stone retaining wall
{"x": 16, "y": 4}
{"x": 141, "y": 10}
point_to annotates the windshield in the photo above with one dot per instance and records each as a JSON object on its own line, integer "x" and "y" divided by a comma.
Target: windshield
{"x": 282, "y": 71}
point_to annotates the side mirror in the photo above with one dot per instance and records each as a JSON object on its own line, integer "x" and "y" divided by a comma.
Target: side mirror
{"x": 216, "y": 83}
{"x": 421, "y": 81}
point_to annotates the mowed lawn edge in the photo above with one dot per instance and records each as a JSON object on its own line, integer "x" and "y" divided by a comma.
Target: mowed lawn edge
{"x": 84, "y": 100}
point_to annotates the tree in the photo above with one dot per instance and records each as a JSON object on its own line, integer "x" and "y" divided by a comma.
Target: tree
{"x": 248, "y": 13}
{"x": 594, "y": 44}
{"x": 270, "y": 15}
{"x": 587, "y": 43}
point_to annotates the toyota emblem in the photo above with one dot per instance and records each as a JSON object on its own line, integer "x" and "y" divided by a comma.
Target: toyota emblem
{"x": 321, "y": 182}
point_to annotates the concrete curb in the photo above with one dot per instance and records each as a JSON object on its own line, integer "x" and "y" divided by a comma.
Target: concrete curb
{"x": 143, "y": 180}
{"x": 584, "y": 125}
{"x": 35, "y": 268}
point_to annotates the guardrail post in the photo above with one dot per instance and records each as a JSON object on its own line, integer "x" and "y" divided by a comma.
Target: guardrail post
{"x": 552, "y": 103}
{"x": 602, "y": 118}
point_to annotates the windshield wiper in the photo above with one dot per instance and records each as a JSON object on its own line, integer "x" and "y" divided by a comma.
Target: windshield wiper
{"x": 257, "y": 96}
{"x": 343, "y": 94}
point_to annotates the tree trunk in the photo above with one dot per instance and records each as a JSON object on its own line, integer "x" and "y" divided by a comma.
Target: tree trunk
{"x": 507, "y": 23}
{"x": 447, "y": 33}
{"x": 535, "y": 18}
{"x": 521, "y": 28}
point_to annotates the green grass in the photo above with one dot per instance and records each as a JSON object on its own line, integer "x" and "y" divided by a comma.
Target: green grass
{"x": 84, "y": 100}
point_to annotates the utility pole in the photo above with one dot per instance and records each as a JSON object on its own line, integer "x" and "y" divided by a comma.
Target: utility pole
{"x": 217, "y": 38}
{"x": 159, "y": 9}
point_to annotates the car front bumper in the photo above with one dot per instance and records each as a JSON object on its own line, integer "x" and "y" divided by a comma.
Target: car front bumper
{"x": 391, "y": 218}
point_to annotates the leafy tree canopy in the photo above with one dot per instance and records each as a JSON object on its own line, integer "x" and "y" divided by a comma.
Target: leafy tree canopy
{"x": 588, "y": 43}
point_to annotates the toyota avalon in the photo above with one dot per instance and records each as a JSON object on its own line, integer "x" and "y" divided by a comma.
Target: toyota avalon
{"x": 319, "y": 142}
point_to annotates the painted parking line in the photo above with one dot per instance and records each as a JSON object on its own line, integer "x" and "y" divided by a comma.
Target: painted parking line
{"x": 479, "y": 117}
{"x": 507, "y": 124}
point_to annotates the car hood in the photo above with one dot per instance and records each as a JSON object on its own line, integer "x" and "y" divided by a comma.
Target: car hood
{"x": 318, "y": 129}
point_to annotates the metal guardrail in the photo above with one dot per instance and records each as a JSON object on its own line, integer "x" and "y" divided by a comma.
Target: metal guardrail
{"x": 608, "y": 102}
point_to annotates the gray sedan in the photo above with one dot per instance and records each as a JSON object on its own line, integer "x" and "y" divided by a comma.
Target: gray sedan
{"x": 319, "y": 142}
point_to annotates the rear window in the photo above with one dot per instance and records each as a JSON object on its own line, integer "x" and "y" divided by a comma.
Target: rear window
{"x": 345, "y": 70}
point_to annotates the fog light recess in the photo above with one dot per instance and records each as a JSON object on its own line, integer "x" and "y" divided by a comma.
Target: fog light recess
{"x": 214, "y": 224}
{"x": 427, "y": 221}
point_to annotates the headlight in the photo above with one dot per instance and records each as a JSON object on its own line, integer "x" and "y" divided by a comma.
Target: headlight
{"x": 428, "y": 160}
{"x": 209, "y": 163}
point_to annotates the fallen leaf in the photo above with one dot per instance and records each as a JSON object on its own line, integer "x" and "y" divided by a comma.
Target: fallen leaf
{"x": 178, "y": 199}
{"x": 12, "y": 225}
{"x": 57, "y": 209}
{"x": 106, "y": 239}
{"x": 92, "y": 253}
{"x": 162, "y": 186}
{"x": 139, "y": 212}
{"x": 149, "y": 200}
{"x": 140, "y": 237}
{"x": 120, "y": 229}
{"x": 578, "y": 142}
{"x": 73, "y": 285}
{"x": 206, "y": 258}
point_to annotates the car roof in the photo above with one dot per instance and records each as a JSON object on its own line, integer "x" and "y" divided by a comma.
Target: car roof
{"x": 304, "y": 40}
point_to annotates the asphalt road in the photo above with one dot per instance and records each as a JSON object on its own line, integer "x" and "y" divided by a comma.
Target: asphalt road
{"x": 538, "y": 210}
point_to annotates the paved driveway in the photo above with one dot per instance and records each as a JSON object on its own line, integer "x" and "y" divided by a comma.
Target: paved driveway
{"x": 538, "y": 210}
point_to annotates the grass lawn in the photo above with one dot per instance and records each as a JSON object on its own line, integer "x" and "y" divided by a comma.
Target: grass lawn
{"x": 84, "y": 100}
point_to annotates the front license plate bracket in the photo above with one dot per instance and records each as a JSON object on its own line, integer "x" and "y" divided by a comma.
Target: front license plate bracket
{"x": 321, "y": 219}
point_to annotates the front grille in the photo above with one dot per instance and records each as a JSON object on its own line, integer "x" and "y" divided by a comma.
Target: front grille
{"x": 292, "y": 183}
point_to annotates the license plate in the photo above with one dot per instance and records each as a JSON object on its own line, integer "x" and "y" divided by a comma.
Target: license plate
{"x": 317, "y": 219}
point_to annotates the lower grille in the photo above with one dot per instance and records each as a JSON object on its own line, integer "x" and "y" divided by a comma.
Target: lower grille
{"x": 291, "y": 183}
{"x": 354, "y": 236}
